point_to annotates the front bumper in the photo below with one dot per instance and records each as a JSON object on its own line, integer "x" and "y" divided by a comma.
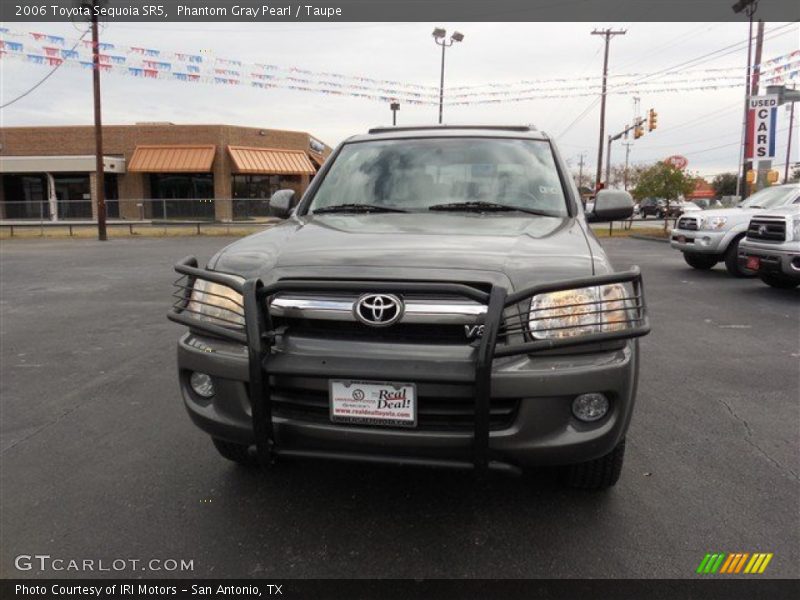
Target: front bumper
{"x": 784, "y": 259}
{"x": 699, "y": 241}
{"x": 263, "y": 369}
{"x": 543, "y": 430}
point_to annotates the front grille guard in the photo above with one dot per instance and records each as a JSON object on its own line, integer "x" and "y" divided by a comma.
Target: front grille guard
{"x": 259, "y": 336}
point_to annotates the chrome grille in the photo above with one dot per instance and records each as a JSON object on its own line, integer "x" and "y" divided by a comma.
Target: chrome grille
{"x": 767, "y": 229}
{"x": 687, "y": 223}
{"x": 417, "y": 309}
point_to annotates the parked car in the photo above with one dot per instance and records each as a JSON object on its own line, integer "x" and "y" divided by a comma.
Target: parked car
{"x": 689, "y": 207}
{"x": 436, "y": 298}
{"x": 707, "y": 203}
{"x": 771, "y": 247}
{"x": 711, "y": 236}
{"x": 652, "y": 207}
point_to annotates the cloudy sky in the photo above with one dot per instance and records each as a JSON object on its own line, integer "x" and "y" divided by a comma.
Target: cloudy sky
{"x": 704, "y": 126}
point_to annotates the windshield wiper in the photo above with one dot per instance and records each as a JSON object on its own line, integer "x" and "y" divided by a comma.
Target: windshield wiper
{"x": 357, "y": 208}
{"x": 481, "y": 206}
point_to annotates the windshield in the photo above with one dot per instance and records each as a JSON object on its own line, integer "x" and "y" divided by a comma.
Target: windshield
{"x": 415, "y": 175}
{"x": 771, "y": 197}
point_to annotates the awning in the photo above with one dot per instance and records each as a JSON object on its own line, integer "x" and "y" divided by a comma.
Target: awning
{"x": 172, "y": 159}
{"x": 270, "y": 161}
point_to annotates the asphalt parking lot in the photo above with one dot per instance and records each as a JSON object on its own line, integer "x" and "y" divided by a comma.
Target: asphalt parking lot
{"x": 100, "y": 461}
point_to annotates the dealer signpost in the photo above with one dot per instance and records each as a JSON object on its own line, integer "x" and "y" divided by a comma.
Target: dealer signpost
{"x": 762, "y": 117}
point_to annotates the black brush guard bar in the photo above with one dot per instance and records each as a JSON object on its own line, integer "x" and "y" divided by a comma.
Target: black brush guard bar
{"x": 259, "y": 337}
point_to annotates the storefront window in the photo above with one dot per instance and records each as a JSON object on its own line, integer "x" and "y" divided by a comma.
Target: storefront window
{"x": 25, "y": 196}
{"x": 74, "y": 194}
{"x": 183, "y": 195}
{"x": 112, "y": 195}
{"x": 251, "y": 193}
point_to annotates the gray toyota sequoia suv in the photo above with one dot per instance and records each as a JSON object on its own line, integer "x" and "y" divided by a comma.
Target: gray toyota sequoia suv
{"x": 437, "y": 298}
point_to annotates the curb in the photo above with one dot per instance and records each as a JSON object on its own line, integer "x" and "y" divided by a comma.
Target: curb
{"x": 648, "y": 238}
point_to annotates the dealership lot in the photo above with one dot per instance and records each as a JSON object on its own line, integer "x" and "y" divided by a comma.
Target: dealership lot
{"x": 100, "y": 461}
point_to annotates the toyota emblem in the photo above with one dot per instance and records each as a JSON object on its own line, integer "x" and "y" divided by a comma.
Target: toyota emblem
{"x": 762, "y": 230}
{"x": 378, "y": 310}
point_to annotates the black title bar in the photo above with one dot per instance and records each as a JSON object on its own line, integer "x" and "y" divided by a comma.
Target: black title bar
{"x": 444, "y": 11}
{"x": 388, "y": 589}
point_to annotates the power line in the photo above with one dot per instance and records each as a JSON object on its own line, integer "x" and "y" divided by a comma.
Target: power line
{"x": 46, "y": 77}
{"x": 736, "y": 46}
{"x": 592, "y": 104}
{"x": 699, "y": 60}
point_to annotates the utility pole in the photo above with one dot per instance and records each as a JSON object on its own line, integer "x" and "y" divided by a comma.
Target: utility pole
{"x": 98, "y": 131}
{"x": 785, "y": 95}
{"x": 580, "y": 171}
{"x": 627, "y": 157}
{"x": 638, "y": 131}
{"x": 607, "y": 34}
{"x": 763, "y": 166}
{"x": 789, "y": 143}
{"x": 757, "y": 58}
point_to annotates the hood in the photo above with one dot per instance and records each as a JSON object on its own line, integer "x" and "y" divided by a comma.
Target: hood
{"x": 781, "y": 211}
{"x": 734, "y": 215}
{"x": 498, "y": 248}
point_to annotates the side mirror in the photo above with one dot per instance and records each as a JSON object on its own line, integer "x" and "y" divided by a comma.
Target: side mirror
{"x": 611, "y": 205}
{"x": 280, "y": 204}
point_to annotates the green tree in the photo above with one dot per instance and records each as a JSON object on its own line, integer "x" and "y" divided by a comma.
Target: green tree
{"x": 662, "y": 180}
{"x": 619, "y": 176}
{"x": 724, "y": 184}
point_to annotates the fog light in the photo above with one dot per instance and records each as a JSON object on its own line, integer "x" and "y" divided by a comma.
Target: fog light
{"x": 201, "y": 384}
{"x": 590, "y": 407}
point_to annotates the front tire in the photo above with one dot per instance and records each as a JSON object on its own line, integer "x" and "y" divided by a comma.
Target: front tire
{"x": 732, "y": 261}
{"x": 702, "y": 262}
{"x": 778, "y": 281}
{"x": 598, "y": 474}
{"x": 237, "y": 453}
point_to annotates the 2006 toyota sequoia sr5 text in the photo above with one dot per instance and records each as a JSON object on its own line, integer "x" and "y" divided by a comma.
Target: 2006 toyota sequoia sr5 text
{"x": 435, "y": 298}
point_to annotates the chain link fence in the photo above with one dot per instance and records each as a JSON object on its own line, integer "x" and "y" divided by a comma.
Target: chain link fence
{"x": 140, "y": 209}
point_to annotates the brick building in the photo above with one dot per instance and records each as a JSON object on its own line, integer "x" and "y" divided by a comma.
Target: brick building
{"x": 151, "y": 169}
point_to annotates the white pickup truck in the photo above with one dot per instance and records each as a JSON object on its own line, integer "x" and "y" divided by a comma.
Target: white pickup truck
{"x": 772, "y": 246}
{"x": 711, "y": 236}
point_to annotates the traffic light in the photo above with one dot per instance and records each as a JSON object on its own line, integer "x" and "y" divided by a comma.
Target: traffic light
{"x": 750, "y": 177}
{"x": 652, "y": 119}
{"x": 773, "y": 176}
{"x": 638, "y": 130}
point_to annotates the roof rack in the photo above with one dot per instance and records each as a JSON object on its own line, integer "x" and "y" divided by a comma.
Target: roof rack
{"x": 389, "y": 129}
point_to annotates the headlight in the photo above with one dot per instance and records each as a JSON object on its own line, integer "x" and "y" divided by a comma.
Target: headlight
{"x": 581, "y": 311}
{"x": 711, "y": 223}
{"x": 796, "y": 228}
{"x": 216, "y": 304}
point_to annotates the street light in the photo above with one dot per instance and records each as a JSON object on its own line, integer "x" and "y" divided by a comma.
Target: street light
{"x": 439, "y": 35}
{"x": 749, "y": 8}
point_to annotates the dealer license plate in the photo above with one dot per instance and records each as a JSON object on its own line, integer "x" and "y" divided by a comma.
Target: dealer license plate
{"x": 753, "y": 263}
{"x": 384, "y": 403}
